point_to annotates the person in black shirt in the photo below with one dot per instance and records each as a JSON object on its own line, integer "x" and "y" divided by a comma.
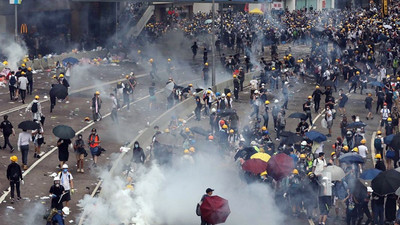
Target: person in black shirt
{"x": 56, "y": 192}
{"x": 381, "y": 99}
{"x": 7, "y": 129}
{"x": 236, "y": 86}
{"x": 14, "y": 175}
{"x": 368, "y": 106}
{"x": 209, "y": 193}
{"x": 317, "y": 98}
{"x": 205, "y": 73}
{"x": 29, "y": 76}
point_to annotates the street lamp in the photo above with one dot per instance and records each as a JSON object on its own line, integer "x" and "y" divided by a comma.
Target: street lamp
{"x": 213, "y": 44}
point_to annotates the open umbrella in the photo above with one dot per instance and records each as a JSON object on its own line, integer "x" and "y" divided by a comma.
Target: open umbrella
{"x": 166, "y": 139}
{"x": 386, "y": 182}
{"x": 63, "y": 132}
{"x": 287, "y": 133}
{"x": 395, "y": 143}
{"x": 255, "y": 166}
{"x": 355, "y": 125}
{"x": 292, "y": 139}
{"x": 387, "y": 26}
{"x": 70, "y": 60}
{"x": 199, "y": 130}
{"x": 215, "y": 209}
{"x": 227, "y": 112}
{"x": 59, "y": 91}
{"x": 260, "y": 155}
{"x": 280, "y": 166}
{"x": 316, "y": 136}
{"x": 29, "y": 125}
{"x": 256, "y": 11}
{"x": 337, "y": 173}
{"x": 298, "y": 115}
{"x": 245, "y": 153}
{"x": 376, "y": 84}
{"x": 370, "y": 174}
{"x": 358, "y": 189}
{"x": 388, "y": 139}
{"x": 208, "y": 21}
{"x": 327, "y": 83}
{"x": 351, "y": 157}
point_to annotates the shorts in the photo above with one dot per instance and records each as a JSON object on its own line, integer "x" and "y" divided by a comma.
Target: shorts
{"x": 329, "y": 124}
{"x": 383, "y": 122}
{"x": 342, "y": 104}
{"x": 94, "y": 150}
{"x": 325, "y": 203}
{"x": 66, "y": 196}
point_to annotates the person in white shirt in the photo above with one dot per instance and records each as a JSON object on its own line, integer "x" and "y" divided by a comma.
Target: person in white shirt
{"x": 319, "y": 164}
{"x": 114, "y": 108}
{"x": 67, "y": 181}
{"x": 23, "y": 145}
{"x": 385, "y": 112}
{"x": 36, "y": 109}
{"x": 23, "y": 84}
{"x": 329, "y": 120}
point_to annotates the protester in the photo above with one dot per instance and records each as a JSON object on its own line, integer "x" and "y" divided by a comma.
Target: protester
{"x": 7, "y": 129}
{"x": 23, "y": 145}
{"x": 67, "y": 181}
{"x": 14, "y": 175}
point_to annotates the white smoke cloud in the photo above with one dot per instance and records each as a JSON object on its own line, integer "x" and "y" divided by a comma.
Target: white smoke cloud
{"x": 13, "y": 51}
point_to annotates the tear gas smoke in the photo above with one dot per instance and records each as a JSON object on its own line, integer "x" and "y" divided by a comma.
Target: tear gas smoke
{"x": 13, "y": 51}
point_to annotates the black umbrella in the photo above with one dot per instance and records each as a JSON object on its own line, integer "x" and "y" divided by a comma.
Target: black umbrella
{"x": 359, "y": 190}
{"x": 63, "y": 132}
{"x": 59, "y": 90}
{"x": 199, "y": 130}
{"x": 395, "y": 143}
{"x": 328, "y": 83}
{"x": 287, "y": 133}
{"x": 292, "y": 139}
{"x": 355, "y": 125}
{"x": 227, "y": 112}
{"x": 298, "y": 115}
{"x": 29, "y": 125}
{"x": 245, "y": 153}
{"x": 386, "y": 182}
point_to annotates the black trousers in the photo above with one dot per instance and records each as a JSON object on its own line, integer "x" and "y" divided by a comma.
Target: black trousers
{"x": 22, "y": 94}
{"x": 30, "y": 87}
{"x": 316, "y": 105}
{"x": 12, "y": 92}
{"x": 7, "y": 141}
{"x": 15, "y": 184}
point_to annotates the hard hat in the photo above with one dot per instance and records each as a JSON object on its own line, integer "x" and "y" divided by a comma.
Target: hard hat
{"x": 379, "y": 132}
{"x": 190, "y": 85}
{"x": 276, "y": 101}
{"x": 56, "y": 178}
{"x": 346, "y": 148}
{"x": 225, "y": 126}
{"x": 290, "y": 55}
{"x": 389, "y": 119}
{"x": 166, "y": 130}
{"x": 55, "y": 76}
{"x": 65, "y": 210}
{"x": 363, "y": 141}
{"x": 97, "y": 93}
{"x": 358, "y": 72}
{"x": 151, "y": 60}
{"x": 14, "y": 158}
{"x": 206, "y": 64}
{"x": 295, "y": 171}
{"x": 302, "y": 156}
{"x": 369, "y": 189}
{"x": 213, "y": 110}
{"x": 187, "y": 129}
{"x": 303, "y": 143}
{"x": 234, "y": 76}
{"x": 186, "y": 151}
{"x": 231, "y": 131}
{"x": 218, "y": 94}
{"x": 378, "y": 156}
{"x": 65, "y": 166}
{"x": 310, "y": 174}
{"x": 333, "y": 153}
{"x": 61, "y": 76}
{"x": 355, "y": 149}
{"x": 23, "y": 73}
{"x": 267, "y": 102}
{"x": 273, "y": 68}
{"x": 138, "y": 51}
{"x": 192, "y": 149}
{"x": 221, "y": 122}
{"x": 265, "y": 132}
{"x": 223, "y": 95}
{"x": 169, "y": 60}
{"x": 37, "y": 97}
{"x": 264, "y": 128}
{"x": 385, "y": 103}
{"x": 317, "y": 87}
{"x": 256, "y": 92}
{"x": 29, "y": 68}
{"x": 210, "y": 137}
{"x": 229, "y": 94}
{"x": 309, "y": 97}
{"x": 5, "y": 63}
{"x": 209, "y": 92}
{"x": 23, "y": 65}
{"x": 127, "y": 76}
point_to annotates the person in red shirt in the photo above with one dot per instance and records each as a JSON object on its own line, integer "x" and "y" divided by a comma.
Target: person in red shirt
{"x": 94, "y": 142}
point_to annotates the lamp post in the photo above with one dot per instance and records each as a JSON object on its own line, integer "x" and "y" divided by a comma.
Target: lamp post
{"x": 213, "y": 44}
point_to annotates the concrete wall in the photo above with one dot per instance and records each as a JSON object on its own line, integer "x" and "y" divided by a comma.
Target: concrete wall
{"x": 204, "y": 7}
{"x": 290, "y": 4}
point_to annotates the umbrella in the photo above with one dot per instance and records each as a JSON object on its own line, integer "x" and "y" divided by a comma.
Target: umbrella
{"x": 29, "y": 125}
{"x": 287, "y": 133}
{"x": 280, "y": 166}
{"x": 63, "y": 132}
{"x": 208, "y": 21}
{"x": 260, "y": 155}
{"x": 70, "y": 60}
{"x": 256, "y": 11}
{"x": 255, "y": 166}
{"x": 386, "y": 182}
{"x": 337, "y": 173}
{"x": 245, "y": 153}
{"x": 199, "y": 130}
{"x": 292, "y": 139}
{"x": 351, "y": 157}
{"x": 328, "y": 83}
{"x": 388, "y": 139}
{"x": 355, "y": 125}
{"x": 170, "y": 86}
{"x": 395, "y": 143}
{"x": 376, "y": 84}
{"x": 387, "y": 26}
{"x": 166, "y": 139}
{"x": 298, "y": 115}
{"x": 59, "y": 90}
{"x": 398, "y": 192}
{"x": 316, "y": 136}
{"x": 227, "y": 112}
{"x": 370, "y": 174}
{"x": 215, "y": 209}
{"x": 359, "y": 190}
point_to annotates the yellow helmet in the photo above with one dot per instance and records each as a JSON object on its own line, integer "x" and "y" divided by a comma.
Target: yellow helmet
{"x": 378, "y": 156}
{"x": 267, "y": 102}
{"x": 23, "y": 73}
{"x": 234, "y": 76}
{"x": 309, "y": 97}
{"x": 37, "y": 97}
{"x": 379, "y": 132}
{"x": 151, "y": 60}
{"x": 208, "y": 91}
{"x": 333, "y": 153}
{"x": 192, "y": 149}
{"x": 206, "y": 64}
{"x": 317, "y": 87}
{"x": 303, "y": 156}
{"x": 398, "y": 78}
{"x": 355, "y": 149}
{"x": 97, "y": 92}
{"x": 29, "y": 68}
{"x": 5, "y": 63}
{"x": 127, "y": 76}
{"x": 295, "y": 171}
{"x": 389, "y": 119}
{"x": 231, "y": 131}
{"x": 363, "y": 141}
{"x": 169, "y": 60}
{"x": 14, "y": 158}
{"x": 225, "y": 126}
{"x": 187, "y": 129}
{"x": 290, "y": 55}
{"x": 138, "y": 51}
{"x": 190, "y": 85}
{"x": 346, "y": 148}
{"x": 273, "y": 68}
{"x": 55, "y": 76}
{"x": 358, "y": 72}
{"x": 186, "y": 151}
{"x": 166, "y": 130}
{"x": 263, "y": 128}
{"x": 229, "y": 94}
{"x": 23, "y": 65}
{"x": 61, "y": 76}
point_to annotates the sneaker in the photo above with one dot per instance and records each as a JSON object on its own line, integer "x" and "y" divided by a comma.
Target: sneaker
{"x": 38, "y": 156}
{"x": 12, "y": 201}
{"x": 34, "y": 155}
{"x": 67, "y": 102}
{"x": 12, "y": 150}
{"x": 82, "y": 171}
{"x": 78, "y": 170}
{"x": 19, "y": 198}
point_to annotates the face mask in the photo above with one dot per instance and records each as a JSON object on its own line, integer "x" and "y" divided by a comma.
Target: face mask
{"x": 65, "y": 170}
{"x": 57, "y": 185}
{"x": 334, "y": 157}
{"x": 136, "y": 146}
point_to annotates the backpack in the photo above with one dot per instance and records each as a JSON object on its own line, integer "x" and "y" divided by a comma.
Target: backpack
{"x": 69, "y": 176}
{"x": 12, "y": 81}
{"x": 282, "y": 121}
{"x": 378, "y": 143}
{"x": 34, "y": 107}
{"x": 357, "y": 140}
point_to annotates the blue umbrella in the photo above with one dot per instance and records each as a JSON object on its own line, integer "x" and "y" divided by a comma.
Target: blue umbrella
{"x": 208, "y": 21}
{"x": 70, "y": 60}
{"x": 370, "y": 174}
{"x": 351, "y": 157}
{"x": 376, "y": 83}
{"x": 316, "y": 136}
{"x": 388, "y": 139}
{"x": 356, "y": 125}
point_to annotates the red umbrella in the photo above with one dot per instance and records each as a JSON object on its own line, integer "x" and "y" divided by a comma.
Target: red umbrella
{"x": 280, "y": 166}
{"x": 255, "y": 166}
{"x": 215, "y": 209}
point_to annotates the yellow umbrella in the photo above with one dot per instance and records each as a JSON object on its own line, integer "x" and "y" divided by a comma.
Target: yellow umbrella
{"x": 263, "y": 156}
{"x": 256, "y": 11}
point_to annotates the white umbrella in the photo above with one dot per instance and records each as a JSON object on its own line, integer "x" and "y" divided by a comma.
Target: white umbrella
{"x": 387, "y": 26}
{"x": 337, "y": 173}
